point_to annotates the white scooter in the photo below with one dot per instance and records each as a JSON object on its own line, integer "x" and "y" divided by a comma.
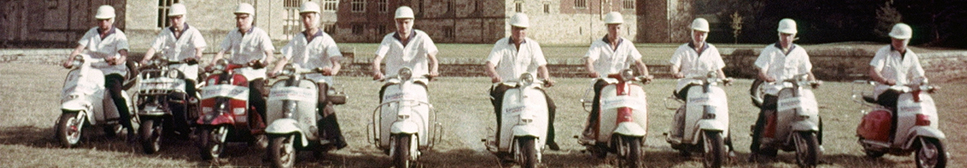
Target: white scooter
{"x": 705, "y": 126}
{"x": 524, "y": 121}
{"x": 916, "y": 130}
{"x": 622, "y": 121}
{"x": 86, "y": 102}
{"x": 405, "y": 124}
{"x": 292, "y": 112}
{"x": 796, "y": 125}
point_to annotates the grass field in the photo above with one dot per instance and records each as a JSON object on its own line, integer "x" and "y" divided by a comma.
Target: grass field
{"x": 29, "y": 96}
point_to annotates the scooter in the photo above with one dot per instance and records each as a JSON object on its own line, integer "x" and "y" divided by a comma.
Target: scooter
{"x": 796, "y": 125}
{"x": 161, "y": 93}
{"x": 524, "y": 119}
{"x": 705, "y": 126}
{"x": 916, "y": 130}
{"x": 405, "y": 124}
{"x": 623, "y": 119}
{"x": 292, "y": 112}
{"x": 226, "y": 115}
{"x": 86, "y": 102}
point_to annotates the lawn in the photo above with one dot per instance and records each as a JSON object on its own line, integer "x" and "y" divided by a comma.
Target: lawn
{"x": 29, "y": 94}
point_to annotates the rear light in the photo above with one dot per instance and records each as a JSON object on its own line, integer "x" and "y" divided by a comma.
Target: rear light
{"x": 923, "y": 120}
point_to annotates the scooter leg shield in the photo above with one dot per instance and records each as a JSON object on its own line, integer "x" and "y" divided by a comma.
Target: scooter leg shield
{"x": 285, "y": 126}
{"x": 404, "y": 127}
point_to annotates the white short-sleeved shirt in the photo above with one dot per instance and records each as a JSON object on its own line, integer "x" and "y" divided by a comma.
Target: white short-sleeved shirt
{"x": 694, "y": 64}
{"x": 612, "y": 61}
{"x": 180, "y": 48}
{"x": 891, "y": 65}
{"x": 511, "y": 62}
{"x": 311, "y": 54}
{"x": 107, "y": 47}
{"x": 413, "y": 55}
{"x": 248, "y": 47}
{"x": 783, "y": 66}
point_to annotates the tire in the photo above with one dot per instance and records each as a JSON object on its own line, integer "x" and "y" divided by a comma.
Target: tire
{"x": 714, "y": 151}
{"x": 528, "y": 152}
{"x": 209, "y": 145}
{"x": 927, "y": 147}
{"x": 633, "y": 156}
{"x": 150, "y": 131}
{"x": 282, "y": 151}
{"x": 69, "y": 128}
{"x": 807, "y": 149}
{"x": 757, "y": 92}
{"x": 401, "y": 151}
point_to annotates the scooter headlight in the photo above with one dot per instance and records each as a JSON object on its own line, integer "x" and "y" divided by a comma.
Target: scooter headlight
{"x": 78, "y": 60}
{"x": 627, "y": 74}
{"x": 221, "y": 65}
{"x": 526, "y": 79}
{"x": 173, "y": 73}
{"x": 405, "y": 74}
{"x": 288, "y": 70}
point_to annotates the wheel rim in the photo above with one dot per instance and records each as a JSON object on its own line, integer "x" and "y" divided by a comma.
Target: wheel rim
{"x": 801, "y": 148}
{"x": 156, "y": 138}
{"x": 218, "y": 137}
{"x": 928, "y": 154}
{"x": 74, "y": 130}
{"x": 287, "y": 152}
{"x": 708, "y": 153}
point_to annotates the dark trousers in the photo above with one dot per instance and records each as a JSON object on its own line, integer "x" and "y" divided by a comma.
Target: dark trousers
{"x": 497, "y": 95}
{"x": 591, "y": 129}
{"x": 767, "y": 111}
{"x": 255, "y": 98}
{"x": 328, "y": 122}
{"x": 113, "y": 83}
{"x": 888, "y": 99}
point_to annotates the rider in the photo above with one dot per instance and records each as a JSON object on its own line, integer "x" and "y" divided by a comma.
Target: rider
{"x": 249, "y": 45}
{"x": 690, "y": 60}
{"x": 779, "y": 61}
{"x": 406, "y": 47}
{"x": 609, "y": 55}
{"x": 895, "y": 65}
{"x": 313, "y": 49}
{"x": 180, "y": 42}
{"x": 107, "y": 42}
{"x": 513, "y": 56}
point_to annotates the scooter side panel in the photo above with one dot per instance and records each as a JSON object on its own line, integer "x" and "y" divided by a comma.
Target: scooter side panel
{"x": 608, "y": 116}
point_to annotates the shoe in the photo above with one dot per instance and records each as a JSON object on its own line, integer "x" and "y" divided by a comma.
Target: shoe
{"x": 553, "y": 146}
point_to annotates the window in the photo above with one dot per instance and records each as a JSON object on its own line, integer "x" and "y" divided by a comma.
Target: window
{"x": 163, "y": 6}
{"x": 358, "y": 29}
{"x": 628, "y": 4}
{"x": 329, "y": 27}
{"x": 330, "y": 5}
{"x": 580, "y": 4}
{"x": 547, "y": 8}
{"x": 381, "y": 30}
{"x": 518, "y": 5}
{"x": 382, "y": 5}
{"x": 291, "y": 23}
{"x": 359, "y": 5}
{"x": 449, "y": 32}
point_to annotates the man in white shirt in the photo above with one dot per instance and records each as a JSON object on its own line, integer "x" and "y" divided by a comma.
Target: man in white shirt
{"x": 107, "y": 42}
{"x": 513, "y": 56}
{"x": 695, "y": 59}
{"x": 782, "y": 60}
{"x": 406, "y": 47}
{"x": 180, "y": 43}
{"x": 609, "y": 55}
{"x": 314, "y": 49}
{"x": 895, "y": 64}
{"x": 249, "y": 45}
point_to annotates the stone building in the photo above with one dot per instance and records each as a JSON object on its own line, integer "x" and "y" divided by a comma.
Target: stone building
{"x": 60, "y": 23}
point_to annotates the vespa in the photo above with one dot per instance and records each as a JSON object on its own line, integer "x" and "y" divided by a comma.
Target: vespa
{"x": 916, "y": 125}
{"x": 294, "y": 116}
{"x": 703, "y": 120}
{"x": 405, "y": 124}
{"x": 623, "y": 119}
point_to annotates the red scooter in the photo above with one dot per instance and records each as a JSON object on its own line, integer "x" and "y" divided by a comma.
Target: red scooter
{"x": 226, "y": 114}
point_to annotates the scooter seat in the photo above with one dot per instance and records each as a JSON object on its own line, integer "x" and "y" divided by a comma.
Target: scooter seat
{"x": 869, "y": 99}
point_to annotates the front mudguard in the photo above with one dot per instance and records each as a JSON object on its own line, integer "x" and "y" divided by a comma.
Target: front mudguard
{"x": 76, "y": 105}
{"x": 404, "y": 127}
{"x": 523, "y": 131}
{"x": 630, "y": 129}
{"x": 286, "y": 126}
{"x": 923, "y": 131}
{"x": 800, "y": 126}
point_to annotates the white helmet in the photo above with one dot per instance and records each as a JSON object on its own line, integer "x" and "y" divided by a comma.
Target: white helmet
{"x": 177, "y": 9}
{"x": 309, "y": 7}
{"x": 404, "y": 12}
{"x": 700, "y": 24}
{"x": 901, "y": 31}
{"x": 105, "y": 12}
{"x": 245, "y": 8}
{"x": 520, "y": 20}
{"x": 613, "y": 18}
{"x": 787, "y": 26}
